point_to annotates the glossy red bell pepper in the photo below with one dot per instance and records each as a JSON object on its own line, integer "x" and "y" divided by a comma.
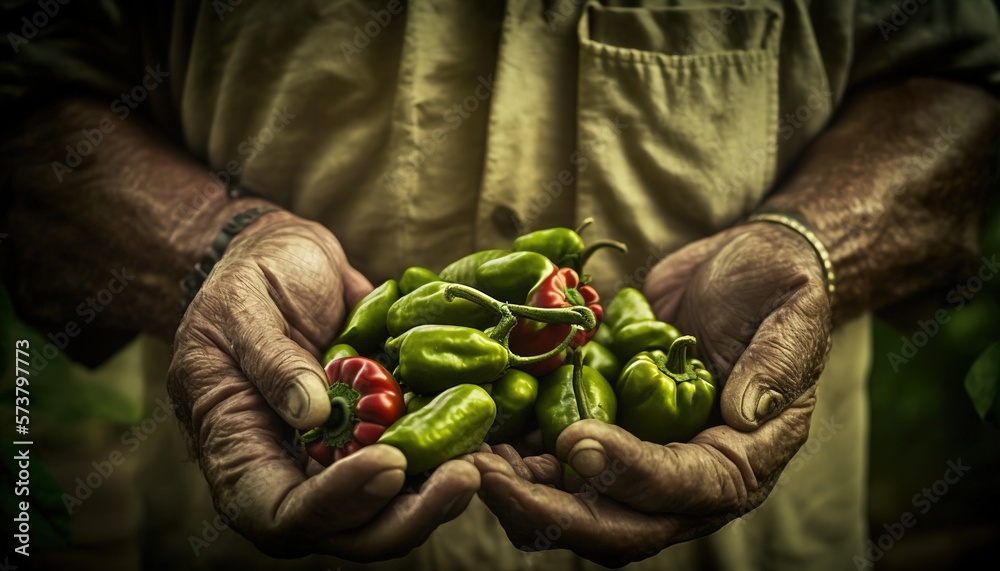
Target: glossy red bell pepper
{"x": 365, "y": 400}
{"x": 562, "y": 288}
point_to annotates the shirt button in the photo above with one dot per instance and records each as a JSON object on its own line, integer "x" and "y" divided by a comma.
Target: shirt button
{"x": 506, "y": 221}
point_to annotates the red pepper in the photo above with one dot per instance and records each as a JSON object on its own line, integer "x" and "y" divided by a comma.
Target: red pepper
{"x": 364, "y": 400}
{"x": 529, "y": 337}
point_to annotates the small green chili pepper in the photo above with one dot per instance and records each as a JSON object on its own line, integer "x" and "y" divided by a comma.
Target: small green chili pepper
{"x": 511, "y": 278}
{"x": 604, "y": 335}
{"x": 430, "y": 305}
{"x": 433, "y": 358}
{"x": 453, "y": 423}
{"x": 338, "y": 351}
{"x": 414, "y": 277}
{"x": 643, "y": 336}
{"x": 514, "y": 394}
{"x": 563, "y": 246}
{"x": 628, "y": 306}
{"x": 365, "y": 329}
{"x": 463, "y": 270}
{"x": 571, "y": 393}
{"x": 415, "y": 402}
{"x": 602, "y": 359}
{"x": 665, "y": 397}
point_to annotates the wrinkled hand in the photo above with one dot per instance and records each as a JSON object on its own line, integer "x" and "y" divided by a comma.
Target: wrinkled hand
{"x": 754, "y": 298}
{"x": 245, "y": 372}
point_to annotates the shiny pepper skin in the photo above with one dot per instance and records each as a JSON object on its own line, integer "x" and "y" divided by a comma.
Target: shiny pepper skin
{"x": 562, "y": 288}
{"x": 364, "y": 400}
{"x": 665, "y": 397}
{"x": 571, "y": 393}
{"x": 365, "y": 329}
{"x": 453, "y": 423}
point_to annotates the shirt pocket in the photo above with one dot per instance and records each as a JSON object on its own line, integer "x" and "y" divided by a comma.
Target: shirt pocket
{"x": 676, "y": 118}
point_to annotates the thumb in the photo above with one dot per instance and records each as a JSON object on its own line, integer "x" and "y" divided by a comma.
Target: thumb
{"x": 289, "y": 377}
{"x": 783, "y": 360}
{"x": 356, "y": 286}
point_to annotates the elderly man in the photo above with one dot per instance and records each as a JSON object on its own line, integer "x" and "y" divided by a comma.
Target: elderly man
{"x": 780, "y": 169}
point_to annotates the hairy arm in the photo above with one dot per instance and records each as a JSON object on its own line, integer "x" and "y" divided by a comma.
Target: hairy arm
{"x": 134, "y": 205}
{"x": 896, "y": 189}
{"x": 245, "y": 365}
{"x": 754, "y": 297}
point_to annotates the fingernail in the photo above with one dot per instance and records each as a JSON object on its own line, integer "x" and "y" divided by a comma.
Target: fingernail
{"x": 758, "y": 406}
{"x": 385, "y": 484}
{"x": 767, "y": 404}
{"x": 587, "y": 458}
{"x": 297, "y": 400}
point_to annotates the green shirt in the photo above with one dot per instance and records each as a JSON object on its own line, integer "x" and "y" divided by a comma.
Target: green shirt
{"x": 421, "y": 131}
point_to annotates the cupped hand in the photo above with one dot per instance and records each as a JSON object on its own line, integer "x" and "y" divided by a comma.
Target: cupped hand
{"x": 245, "y": 374}
{"x": 755, "y": 299}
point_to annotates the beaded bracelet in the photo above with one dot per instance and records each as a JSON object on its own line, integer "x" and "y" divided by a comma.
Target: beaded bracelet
{"x": 791, "y": 222}
{"x": 193, "y": 282}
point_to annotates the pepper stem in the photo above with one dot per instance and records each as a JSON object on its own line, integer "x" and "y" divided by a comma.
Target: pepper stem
{"x": 582, "y": 396}
{"x": 583, "y": 225}
{"x": 677, "y": 363}
{"x": 576, "y": 315}
{"x": 515, "y": 360}
{"x": 582, "y": 257}
{"x": 336, "y": 432}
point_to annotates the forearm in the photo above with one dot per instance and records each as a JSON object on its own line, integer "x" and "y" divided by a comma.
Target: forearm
{"x": 135, "y": 206}
{"x": 895, "y": 189}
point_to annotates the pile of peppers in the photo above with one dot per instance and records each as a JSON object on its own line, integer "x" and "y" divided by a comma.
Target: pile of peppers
{"x": 501, "y": 343}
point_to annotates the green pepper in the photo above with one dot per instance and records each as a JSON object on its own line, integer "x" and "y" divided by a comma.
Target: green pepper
{"x": 511, "y": 277}
{"x": 563, "y": 246}
{"x": 338, "y": 351}
{"x": 514, "y": 394}
{"x": 604, "y": 335}
{"x": 415, "y": 402}
{"x": 430, "y": 305}
{"x": 628, "y": 306}
{"x": 463, "y": 270}
{"x": 599, "y": 357}
{"x": 571, "y": 393}
{"x": 433, "y": 358}
{"x": 414, "y": 277}
{"x": 665, "y": 397}
{"x": 635, "y": 338}
{"x": 453, "y": 423}
{"x": 365, "y": 329}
